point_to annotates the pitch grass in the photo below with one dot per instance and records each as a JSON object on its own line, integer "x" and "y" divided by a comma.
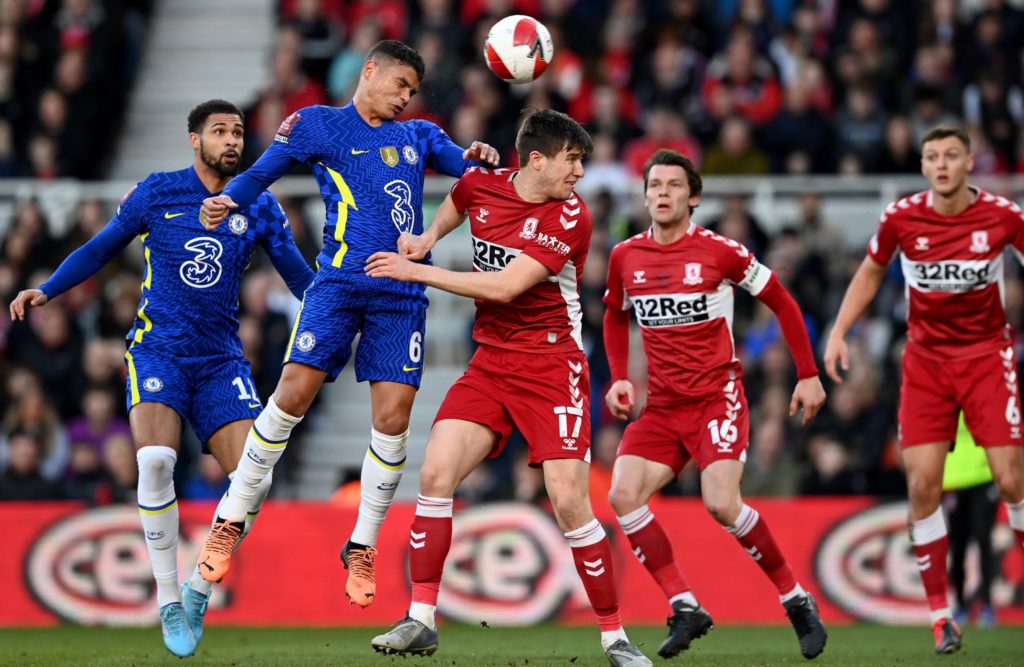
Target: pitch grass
{"x": 469, "y": 646}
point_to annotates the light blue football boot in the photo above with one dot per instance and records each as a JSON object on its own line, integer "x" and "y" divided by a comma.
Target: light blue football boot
{"x": 195, "y": 604}
{"x": 177, "y": 635}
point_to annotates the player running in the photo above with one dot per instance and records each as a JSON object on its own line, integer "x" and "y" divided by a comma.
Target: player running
{"x": 184, "y": 356}
{"x": 531, "y": 235}
{"x": 958, "y": 356}
{"x": 370, "y": 172}
{"x": 678, "y": 279}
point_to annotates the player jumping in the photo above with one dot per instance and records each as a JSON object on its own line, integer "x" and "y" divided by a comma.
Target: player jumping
{"x": 531, "y": 236}
{"x": 678, "y": 279}
{"x": 370, "y": 172}
{"x": 184, "y": 356}
{"x": 959, "y": 354}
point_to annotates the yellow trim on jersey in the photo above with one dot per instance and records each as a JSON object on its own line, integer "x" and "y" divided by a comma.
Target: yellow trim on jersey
{"x": 267, "y": 443}
{"x": 162, "y": 510}
{"x": 147, "y": 282}
{"x": 385, "y": 464}
{"x": 295, "y": 330}
{"x": 347, "y": 200}
{"x": 133, "y": 379}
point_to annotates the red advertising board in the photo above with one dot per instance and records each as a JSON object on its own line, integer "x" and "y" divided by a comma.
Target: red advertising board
{"x": 509, "y": 564}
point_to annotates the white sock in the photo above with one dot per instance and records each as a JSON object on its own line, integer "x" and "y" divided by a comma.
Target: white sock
{"x": 382, "y": 470}
{"x": 939, "y": 614}
{"x": 687, "y": 598}
{"x": 424, "y": 613}
{"x": 158, "y": 509}
{"x": 928, "y": 529}
{"x": 609, "y": 637}
{"x": 635, "y": 520}
{"x": 263, "y": 448}
{"x": 797, "y": 591}
{"x": 1016, "y": 514}
{"x": 196, "y": 582}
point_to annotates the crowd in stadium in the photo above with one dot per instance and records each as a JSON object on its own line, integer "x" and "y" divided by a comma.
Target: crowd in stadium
{"x": 742, "y": 86}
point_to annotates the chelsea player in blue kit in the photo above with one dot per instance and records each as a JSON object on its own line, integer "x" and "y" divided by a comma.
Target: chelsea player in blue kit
{"x": 184, "y": 356}
{"x": 370, "y": 172}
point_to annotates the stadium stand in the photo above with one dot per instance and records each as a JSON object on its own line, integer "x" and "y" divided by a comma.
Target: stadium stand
{"x": 840, "y": 90}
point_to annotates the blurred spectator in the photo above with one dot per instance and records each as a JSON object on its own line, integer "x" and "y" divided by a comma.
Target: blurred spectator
{"x": 741, "y": 82}
{"x": 664, "y": 128}
{"x": 860, "y": 126}
{"x": 30, "y": 412}
{"x": 343, "y": 73}
{"x": 770, "y": 469}
{"x": 735, "y": 151}
{"x": 996, "y": 109}
{"x": 321, "y": 36}
{"x": 899, "y": 154}
{"x": 830, "y": 473}
{"x": 22, "y": 478}
{"x": 98, "y": 420}
{"x": 208, "y": 482}
{"x": 799, "y": 128}
{"x": 119, "y": 459}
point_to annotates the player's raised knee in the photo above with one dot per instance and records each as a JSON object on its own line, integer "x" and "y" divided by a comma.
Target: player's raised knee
{"x": 625, "y": 499}
{"x": 1010, "y": 483}
{"x": 437, "y": 481}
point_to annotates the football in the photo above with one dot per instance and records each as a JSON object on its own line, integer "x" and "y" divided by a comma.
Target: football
{"x": 518, "y": 49}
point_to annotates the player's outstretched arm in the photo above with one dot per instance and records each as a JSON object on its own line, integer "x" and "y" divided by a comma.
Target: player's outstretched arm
{"x": 79, "y": 265}
{"x": 478, "y": 151}
{"x": 503, "y": 286}
{"x": 858, "y": 295}
{"x": 445, "y": 220}
{"x": 809, "y": 393}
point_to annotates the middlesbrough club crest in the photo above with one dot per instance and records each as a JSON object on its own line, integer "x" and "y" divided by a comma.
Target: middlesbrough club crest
{"x": 693, "y": 276}
{"x": 979, "y": 241}
{"x": 529, "y": 229}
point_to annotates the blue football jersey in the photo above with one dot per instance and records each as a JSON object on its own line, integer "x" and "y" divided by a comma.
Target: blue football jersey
{"x": 370, "y": 178}
{"x": 190, "y": 287}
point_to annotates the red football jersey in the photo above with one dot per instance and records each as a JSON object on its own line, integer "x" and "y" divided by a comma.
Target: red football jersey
{"x": 682, "y": 297}
{"x": 953, "y": 267}
{"x": 547, "y": 317}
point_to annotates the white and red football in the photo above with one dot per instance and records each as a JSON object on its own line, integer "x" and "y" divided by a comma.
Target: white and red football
{"x": 518, "y": 49}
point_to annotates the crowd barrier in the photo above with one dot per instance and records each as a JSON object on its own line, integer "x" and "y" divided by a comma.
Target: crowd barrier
{"x": 509, "y": 565}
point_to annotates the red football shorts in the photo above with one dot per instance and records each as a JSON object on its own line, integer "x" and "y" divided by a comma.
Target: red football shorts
{"x": 934, "y": 391}
{"x": 713, "y": 429}
{"x": 545, "y": 396}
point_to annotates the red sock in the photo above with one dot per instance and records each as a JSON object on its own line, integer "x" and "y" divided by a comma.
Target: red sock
{"x": 592, "y": 554}
{"x": 651, "y": 545}
{"x": 931, "y": 563}
{"x": 752, "y": 532}
{"x": 430, "y": 538}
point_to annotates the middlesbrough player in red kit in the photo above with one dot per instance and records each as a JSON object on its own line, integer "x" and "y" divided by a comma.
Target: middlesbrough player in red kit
{"x": 531, "y": 235}
{"x": 958, "y": 355}
{"x": 678, "y": 280}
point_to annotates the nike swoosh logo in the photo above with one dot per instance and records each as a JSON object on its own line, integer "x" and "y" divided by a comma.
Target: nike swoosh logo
{"x": 168, "y": 215}
{"x": 357, "y": 152}
{"x": 255, "y": 405}
{"x": 410, "y": 370}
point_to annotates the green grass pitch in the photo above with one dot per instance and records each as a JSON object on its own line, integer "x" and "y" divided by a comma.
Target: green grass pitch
{"x": 468, "y": 646}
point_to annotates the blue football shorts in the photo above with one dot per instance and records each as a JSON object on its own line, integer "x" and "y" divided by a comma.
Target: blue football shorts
{"x": 207, "y": 391}
{"x": 390, "y": 327}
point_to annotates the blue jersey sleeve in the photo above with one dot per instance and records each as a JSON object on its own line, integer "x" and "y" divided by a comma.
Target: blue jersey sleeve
{"x": 126, "y": 224}
{"x": 445, "y": 155}
{"x": 298, "y": 139}
{"x": 280, "y": 245}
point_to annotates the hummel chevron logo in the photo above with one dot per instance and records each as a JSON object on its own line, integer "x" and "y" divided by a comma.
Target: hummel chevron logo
{"x": 576, "y": 368}
{"x": 567, "y": 224}
{"x": 574, "y": 379}
{"x": 640, "y": 554}
{"x": 421, "y": 537}
{"x": 595, "y": 568}
{"x": 755, "y": 554}
{"x": 1007, "y": 353}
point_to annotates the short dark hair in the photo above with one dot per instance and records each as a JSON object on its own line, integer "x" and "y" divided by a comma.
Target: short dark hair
{"x": 677, "y": 159}
{"x": 197, "y": 117}
{"x": 548, "y": 132}
{"x": 403, "y": 53}
{"x": 943, "y": 131}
